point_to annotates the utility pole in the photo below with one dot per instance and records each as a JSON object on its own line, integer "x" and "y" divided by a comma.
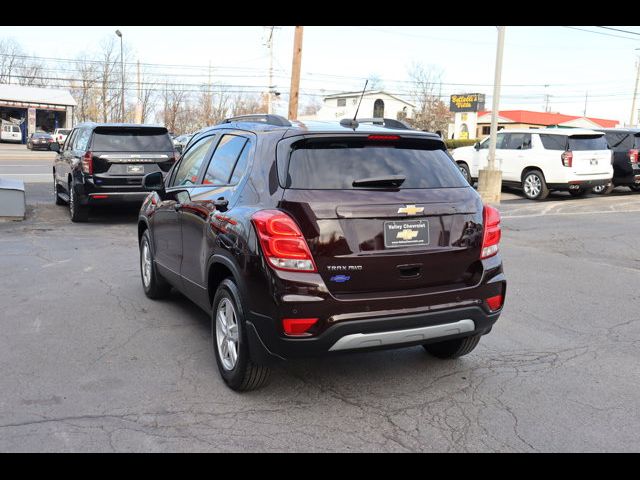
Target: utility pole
{"x": 546, "y": 99}
{"x": 269, "y": 45}
{"x": 294, "y": 91}
{"x": 490, "y": 179}
{"x": 119, "y": 34}
{"x": 586, "y": 97}
{"x": 635, "y": 93}
{"x": 139, "y": 104}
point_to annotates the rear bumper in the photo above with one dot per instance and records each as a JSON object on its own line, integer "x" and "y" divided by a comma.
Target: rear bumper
{"x": 110, "y": 198}
{"x": 370, "y": 334}
{"x": 577, "y": 184}
{"x": 90, "y": 193}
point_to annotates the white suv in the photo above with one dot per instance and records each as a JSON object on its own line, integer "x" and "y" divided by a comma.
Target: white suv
{"x": 541, "y": 160}
{"x": 60, "y": 135}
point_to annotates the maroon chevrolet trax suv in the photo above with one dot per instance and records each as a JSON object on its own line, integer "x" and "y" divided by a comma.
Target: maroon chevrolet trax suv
{"x": 318, "y": 238}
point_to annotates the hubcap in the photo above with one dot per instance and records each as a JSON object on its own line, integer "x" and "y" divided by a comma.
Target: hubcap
{"x": 532, "y": 186}
{"x": 227, "y": 334}
{"x": 145, "y": 259}
{"x": 599, "y": 189}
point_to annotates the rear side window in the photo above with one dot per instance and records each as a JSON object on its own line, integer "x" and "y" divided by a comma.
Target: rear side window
{"x": 588, "y": 142}
{"x": 334, "y": 164}
{"x": 81, "y": 140}
{"x": 636, "y": 143}
{"x": 518, "y": 141}
{"x": 132, "y": 140}
{"x": 224, "y": 159}
{"x": 553, "y": 142}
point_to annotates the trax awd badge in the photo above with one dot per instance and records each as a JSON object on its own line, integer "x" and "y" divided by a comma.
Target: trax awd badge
{"x": 411, "y": 210}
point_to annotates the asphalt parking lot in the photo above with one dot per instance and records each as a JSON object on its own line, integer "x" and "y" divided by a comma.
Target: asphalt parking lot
{"x": 90, "y": 364}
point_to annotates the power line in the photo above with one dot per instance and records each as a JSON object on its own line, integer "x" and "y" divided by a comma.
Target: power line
{"x": 619, "y": 30}
{"x": 600, "y": 33}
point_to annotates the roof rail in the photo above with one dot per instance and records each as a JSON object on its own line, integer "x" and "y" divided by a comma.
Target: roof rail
{"x": 269, "y": 119}
{"x": 386, "y": 122}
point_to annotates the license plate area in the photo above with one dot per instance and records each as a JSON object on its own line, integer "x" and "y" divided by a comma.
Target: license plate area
{"x": 135, "y": 169}
{"x": 406, "y": 233}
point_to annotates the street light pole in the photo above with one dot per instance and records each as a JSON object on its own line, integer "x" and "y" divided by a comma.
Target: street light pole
{"x": 635, "y": 92}
{"x": 119, "y": 34}
{"x": 490, "y": 179}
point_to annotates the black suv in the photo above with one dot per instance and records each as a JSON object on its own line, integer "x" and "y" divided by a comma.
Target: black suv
{"x": 103, "y": 163}
{"x": 322, "y": 237}
{"x": 625, "y": 145}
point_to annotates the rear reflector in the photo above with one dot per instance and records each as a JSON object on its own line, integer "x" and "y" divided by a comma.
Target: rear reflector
{"x": 633, "y": 155}
{"x": 100, "y": 196}
{"x": 298, "y": 326}
{"x": 495, "y": 303}
{"x": 384, "y": 137}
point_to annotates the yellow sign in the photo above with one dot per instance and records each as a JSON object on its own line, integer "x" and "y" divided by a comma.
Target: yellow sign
{"x": 407, "y": 234}
{"x": 411, "y": 210}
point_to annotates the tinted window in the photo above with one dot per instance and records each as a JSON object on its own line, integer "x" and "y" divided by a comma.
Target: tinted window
{"x": 241, "y": 164}
{"x": 16, "y": 129}
{"x": 518, "y": 141}
{"x": 335, "y": 164}
{"x": 64, "y": 132}
{"x": 132, "y": 140}
{"x": 587, "y": 142}
{"x": 187, "y": 173}
{"x": 224, "y": 159}
{"x": 502, "y": 139}
{"x": 553, "y": 142}
{"x": 70, "y": 139}
{"x": 81, "y": 141}
{"x": 636, "y": 143}
{"x": 619, "y": 140}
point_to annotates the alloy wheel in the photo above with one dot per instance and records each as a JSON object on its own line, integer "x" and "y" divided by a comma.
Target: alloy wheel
{"x": 532, "y": 186}
{"x": 145, "y": 260}
{"x": 227, "y": 339}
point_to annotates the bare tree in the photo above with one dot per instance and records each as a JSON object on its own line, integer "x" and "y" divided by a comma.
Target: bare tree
{"x": 431, "y": 112}
{"x": 85, "y": 89}
{"x": 312, "y": 107}
{"x": 246, "y": 103}
{"x": 10, "y": 59}
{"x": 173, "y": 103}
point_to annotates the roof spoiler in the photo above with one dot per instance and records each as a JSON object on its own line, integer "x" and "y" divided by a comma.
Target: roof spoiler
{"x": 384, "y": 122}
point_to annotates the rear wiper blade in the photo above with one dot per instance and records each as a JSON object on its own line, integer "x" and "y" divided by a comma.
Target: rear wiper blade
{"x": 390, "y": 181}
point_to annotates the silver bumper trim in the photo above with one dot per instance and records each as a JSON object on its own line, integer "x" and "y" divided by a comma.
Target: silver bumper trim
{"x": 394, "y": 337}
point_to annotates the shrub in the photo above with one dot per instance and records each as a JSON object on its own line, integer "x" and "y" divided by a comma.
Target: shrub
{"x": 451, "y": 144}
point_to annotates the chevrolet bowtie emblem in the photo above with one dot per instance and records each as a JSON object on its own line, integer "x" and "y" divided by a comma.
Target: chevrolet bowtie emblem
{"x": 411, "y": 210}
{"x": 407, "y": 234}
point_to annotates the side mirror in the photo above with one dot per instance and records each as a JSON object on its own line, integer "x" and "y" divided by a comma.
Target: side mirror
{"x": 476, "y": 145}
{"x": 55, "y": 146}
{"x": 154, "y": 182}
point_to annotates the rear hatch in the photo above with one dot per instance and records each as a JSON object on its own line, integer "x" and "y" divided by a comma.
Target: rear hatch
{"x": 591, "y": 155}
{"x": 123, "y": 155}
{"x": 383, "y": 215}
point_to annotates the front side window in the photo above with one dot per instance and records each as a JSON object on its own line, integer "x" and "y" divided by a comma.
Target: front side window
{"x": 187, "y": 173}
{"x": 224, "y": 159}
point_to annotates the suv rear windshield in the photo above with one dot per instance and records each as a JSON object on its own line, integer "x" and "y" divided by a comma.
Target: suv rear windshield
{"x": 131, "y": 140}
{"x": 334, "y": 164}
{"x": 63, "y": 132}
{"x": 588, "y": 142}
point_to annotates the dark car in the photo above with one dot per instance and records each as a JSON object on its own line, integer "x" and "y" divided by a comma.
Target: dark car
{"x": 625, "y": 145}
{"x": 40, "y": 141}
{"x": 103, "y": 164}
{"x": 317, "y": 238}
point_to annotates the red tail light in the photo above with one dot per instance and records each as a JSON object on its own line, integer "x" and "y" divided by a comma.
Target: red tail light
{"x": 282, "y": 242}
{"x": 492, "y": 233}
{"x": 87, "y": 163}
{"x": 383, "y": 137}
{"x": 298, "y": 326}
{"x": 567, "y": 158}
{"x": 495, "y": 303}
{"x": 633, "y": 155}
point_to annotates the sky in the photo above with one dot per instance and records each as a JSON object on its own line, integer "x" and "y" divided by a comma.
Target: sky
{"x": 566, "y": 63}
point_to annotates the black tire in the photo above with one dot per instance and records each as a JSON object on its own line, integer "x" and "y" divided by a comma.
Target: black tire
{"x": 244, "y": 375}
{"x": 581, "y": 192}
{"x": 466, "y": 173}
{"x": 634, "y": 188}
{"x": 156, "y": 287}
{"x": 56, "y": 193}
{"x": 603, "y": 189}
{"x": 78, "y": 213}
{"x": 537, "y": 179}
{"x": 453, "y": 348}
